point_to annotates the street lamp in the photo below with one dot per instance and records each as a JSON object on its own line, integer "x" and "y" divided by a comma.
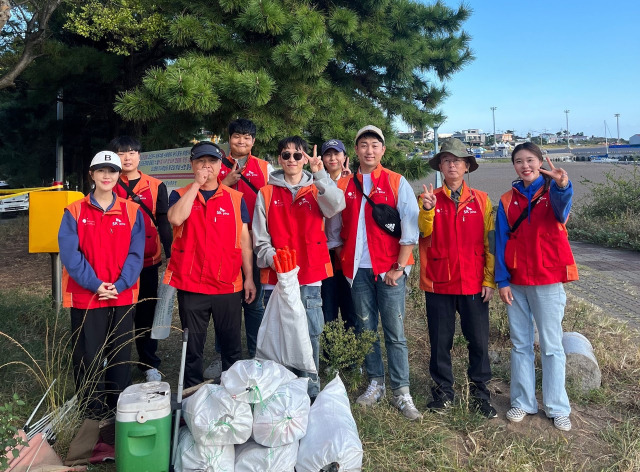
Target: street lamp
{"x": 493, "y": 113}
{"x": 566, "y": 112}
{"x": 617, "y": 115}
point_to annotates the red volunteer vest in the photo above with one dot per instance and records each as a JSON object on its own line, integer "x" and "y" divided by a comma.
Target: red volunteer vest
{"x": 104, "y": 239}
{"x": 298, "y": 223}
{"x": 383, "y": 248}
{"x": 255, "y": 171}
{"x": 147, "y": 190}
{"x": 206, "y": 255}
{"x": 452, "y": 258}
{"x": 538, "y": 253}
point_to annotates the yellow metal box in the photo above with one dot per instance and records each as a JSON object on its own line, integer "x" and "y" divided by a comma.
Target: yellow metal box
{"x": 45, "y": 215}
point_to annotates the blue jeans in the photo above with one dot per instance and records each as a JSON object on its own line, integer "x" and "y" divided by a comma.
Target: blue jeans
{"x": 545, "y": 304}
{"x": 370, "y": 297}
{"x": 312, "y": 301}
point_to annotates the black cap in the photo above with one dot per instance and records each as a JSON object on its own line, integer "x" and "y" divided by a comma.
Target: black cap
{"x": 205, "y": 149}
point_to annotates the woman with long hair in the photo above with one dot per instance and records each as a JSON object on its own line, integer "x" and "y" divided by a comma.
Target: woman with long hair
{"x": 533, "y": 261}
{"x": 101, "y": 241}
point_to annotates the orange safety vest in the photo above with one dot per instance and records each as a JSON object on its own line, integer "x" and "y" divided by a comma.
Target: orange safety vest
{"x": 538, "y": 253}
{"x": 298, "y": 223}
{"x": 383, "y": 248}
{"x": 452, "y": 257}
{"x": 147, "y": 190}
{"x": 104, "y": 239}
{"x": 256, "y": 172}
{"x": 206, "y": 255}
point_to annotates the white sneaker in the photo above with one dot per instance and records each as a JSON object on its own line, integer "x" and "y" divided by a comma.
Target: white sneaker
{"x": 372, "y": 395}
{"x": 153, "y": 375}
{"x": 214, "y": 371}
{"x": 404, "y": 403}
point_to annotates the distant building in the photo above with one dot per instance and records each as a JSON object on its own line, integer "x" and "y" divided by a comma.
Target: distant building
{"x": 473, "y": 137}
{"x": 635, "y": 139}
{"x": 504, "y": 137}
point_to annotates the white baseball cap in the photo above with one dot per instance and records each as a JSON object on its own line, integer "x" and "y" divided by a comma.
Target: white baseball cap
{"x": 370, "y": 129}
{"x": 106, "y": 159}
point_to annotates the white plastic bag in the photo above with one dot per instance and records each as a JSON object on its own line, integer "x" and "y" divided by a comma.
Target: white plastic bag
{"x": 191, "y": 457}
{"x": 252, "y": 457}
{"x": 284, "y": 333}
{"x": 283, "y": 417}
{"x": 253, "y": 381}
{"x": 332, "y": 434}
{"x": 215, "y": 418}
{"x": 164, "y": 311}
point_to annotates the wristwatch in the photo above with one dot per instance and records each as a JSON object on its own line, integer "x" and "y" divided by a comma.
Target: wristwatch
{"x": 396, "y": 266}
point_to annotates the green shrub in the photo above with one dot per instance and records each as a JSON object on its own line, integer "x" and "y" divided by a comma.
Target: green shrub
{"x": 611, "y": 215}
{"x": 341, "y": 349}
{"x": 9, "y": 438}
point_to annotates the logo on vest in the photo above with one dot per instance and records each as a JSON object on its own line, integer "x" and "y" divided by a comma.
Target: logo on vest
{"x": 351, "y": 195}
{"x": 278, "y": 203}
{"x": 222, "y": 212}
{"x": 303, "y": 201}
{"x": 117, "y": 222}
{"x": 88, "y": 222}
{"x": 380, "y": 191}
{"x": 469, "y": 211}
{"x": 250, "y": 173}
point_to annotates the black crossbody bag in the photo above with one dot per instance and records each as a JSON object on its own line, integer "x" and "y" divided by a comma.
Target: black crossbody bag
{"x": 136, "y": 199}
{"x": 525, "y": 212}
{"x": 229, "y": 165}
{"x": 385, "y": 216}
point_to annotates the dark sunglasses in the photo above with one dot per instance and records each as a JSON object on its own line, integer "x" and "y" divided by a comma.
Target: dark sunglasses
{"x": 287, "y": 155}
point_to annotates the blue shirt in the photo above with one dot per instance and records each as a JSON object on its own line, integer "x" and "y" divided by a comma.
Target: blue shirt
{"x": 79, "y": 268}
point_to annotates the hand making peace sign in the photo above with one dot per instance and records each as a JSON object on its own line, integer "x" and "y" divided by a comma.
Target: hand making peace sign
{"x": 558, "y": 174}
{"x": 428, "y": 198}
{"x": 315, "y": 162}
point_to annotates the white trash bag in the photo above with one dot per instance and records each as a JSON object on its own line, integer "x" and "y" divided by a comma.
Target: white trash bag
{"x": 332, "y": 434}
{"x": 284, "y": 333}
{"x": 163, "y": 315}
{"x": 215, "y": 418}
{"x": 191, "y": 457}
{"x": 283, "y": 417}
{"x": 252, "y": 457}
{"x": 253, "y": 381}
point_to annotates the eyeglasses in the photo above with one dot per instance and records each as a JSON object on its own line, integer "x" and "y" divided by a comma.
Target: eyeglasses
{"x": 457, "y": 161}
{"x": 287, "y": 155}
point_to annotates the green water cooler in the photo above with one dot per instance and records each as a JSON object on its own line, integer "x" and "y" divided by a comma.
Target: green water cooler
{"x": 143, "y": 428}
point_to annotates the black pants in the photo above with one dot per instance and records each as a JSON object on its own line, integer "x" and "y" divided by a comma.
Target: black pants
{"x": 336, "y": 295}
{"x": 145, "y": 310}
{"x": 474, "y": 321}
{"x": 195, "y": 310}
{"x": 101, "y": 334}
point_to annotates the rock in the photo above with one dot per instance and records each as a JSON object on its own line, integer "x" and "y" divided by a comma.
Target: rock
{"x": 582, "y": 366}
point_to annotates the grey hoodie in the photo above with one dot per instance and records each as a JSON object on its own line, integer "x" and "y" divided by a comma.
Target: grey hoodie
{"x": 330, "y": 200}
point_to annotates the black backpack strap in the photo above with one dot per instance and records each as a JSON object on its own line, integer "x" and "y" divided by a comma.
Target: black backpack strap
{"x": 229, "y": 165}
{"x": 135, "y": 198}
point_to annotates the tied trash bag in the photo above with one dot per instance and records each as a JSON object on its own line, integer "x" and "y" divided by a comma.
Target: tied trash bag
{"x": 252, "y": 457}
{"x": 283, "y": 417}
{"x": 332, "y": 434}
{"x": 253, "y": 381}
{"x": 192, "y": 457}
{"x": 164, "y": 311}
{"x": 215, "y": 418}
{"x": 284, "y": 333}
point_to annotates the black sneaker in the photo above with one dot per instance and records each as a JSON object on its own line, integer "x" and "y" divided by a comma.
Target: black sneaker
{"x": 439, "y": 405}
{"x": 485, "y": 408}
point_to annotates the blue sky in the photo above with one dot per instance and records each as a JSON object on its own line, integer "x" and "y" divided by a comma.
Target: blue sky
{"x": 535, "y": 59}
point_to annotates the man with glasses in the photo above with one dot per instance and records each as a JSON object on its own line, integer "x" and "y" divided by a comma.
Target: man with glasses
{"x": 457, "y": 250}
{"x": 290, "y": 211}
